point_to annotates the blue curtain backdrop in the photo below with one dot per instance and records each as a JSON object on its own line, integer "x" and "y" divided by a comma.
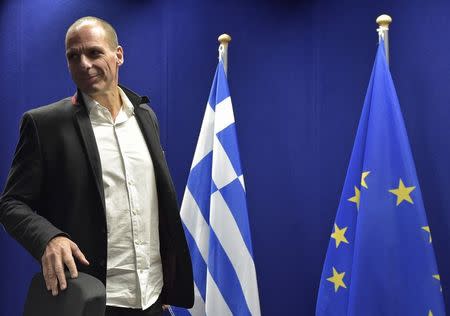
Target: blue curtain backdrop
{"x": 298, "y": 72}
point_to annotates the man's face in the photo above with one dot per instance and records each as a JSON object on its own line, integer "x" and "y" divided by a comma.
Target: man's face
{"x": 93, "y": 63}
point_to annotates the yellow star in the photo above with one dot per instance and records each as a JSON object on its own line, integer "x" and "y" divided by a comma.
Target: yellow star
{"x": 356, "y": 198}
{"x": 427, "y": 229}
{"x": 402, "y": 193}
{"x": 337, "y": 280}
{"x": 339, "y": 235}
{"x": 363, "y": 179}
{"x": 437, "y": 277}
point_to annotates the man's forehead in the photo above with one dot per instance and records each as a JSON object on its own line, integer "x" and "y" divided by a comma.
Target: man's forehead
{"x": 89, "y": 27}
{"x": 86, "y": 31}
{"x": 89, "y": 32}
{"x": 85, "y": 46}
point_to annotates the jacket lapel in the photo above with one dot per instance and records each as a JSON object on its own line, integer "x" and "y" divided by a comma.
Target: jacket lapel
{"x": 145, "y": 121}
{"x": 166, "y": 192}
{"x": 83, "y": 123}
{"x": 148, "y": 127}
{"x": 150, "y": 133}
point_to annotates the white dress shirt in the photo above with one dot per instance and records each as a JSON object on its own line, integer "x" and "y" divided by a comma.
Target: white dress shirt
{"x": 134, "y": 270}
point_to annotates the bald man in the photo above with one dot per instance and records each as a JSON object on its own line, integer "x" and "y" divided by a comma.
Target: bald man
{"x": 89, "y": 188}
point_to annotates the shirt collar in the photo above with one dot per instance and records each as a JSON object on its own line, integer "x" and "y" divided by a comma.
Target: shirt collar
{"x": 127, "y": 106}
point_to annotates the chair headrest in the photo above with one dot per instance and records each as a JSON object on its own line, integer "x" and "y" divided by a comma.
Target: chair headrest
{"x": 84, "y": 296}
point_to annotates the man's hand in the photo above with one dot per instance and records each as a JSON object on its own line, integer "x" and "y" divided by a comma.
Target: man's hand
{"x": 60, "y": 251}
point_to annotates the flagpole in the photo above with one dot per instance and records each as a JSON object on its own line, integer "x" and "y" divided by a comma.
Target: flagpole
{"x": 224, "y": 39}
{"x": 383, "y": 22}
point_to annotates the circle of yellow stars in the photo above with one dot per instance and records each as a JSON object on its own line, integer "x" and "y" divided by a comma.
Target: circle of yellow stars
{"x": 402, "y": 193}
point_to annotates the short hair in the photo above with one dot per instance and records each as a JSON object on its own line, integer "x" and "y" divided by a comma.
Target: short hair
{"x": 110, "y": 32}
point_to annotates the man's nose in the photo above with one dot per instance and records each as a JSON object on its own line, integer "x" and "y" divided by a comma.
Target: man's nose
{"x": 85, "y": 62}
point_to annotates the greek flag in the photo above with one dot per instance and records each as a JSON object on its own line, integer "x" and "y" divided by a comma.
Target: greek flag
{"x": 214, "y": 214}
{"x": 380, "y": 259}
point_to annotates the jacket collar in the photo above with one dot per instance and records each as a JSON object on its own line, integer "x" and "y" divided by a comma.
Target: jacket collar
{"x": 136, "y": 100}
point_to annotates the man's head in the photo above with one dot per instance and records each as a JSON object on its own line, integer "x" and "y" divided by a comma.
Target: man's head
{"x": 93, "y": 55}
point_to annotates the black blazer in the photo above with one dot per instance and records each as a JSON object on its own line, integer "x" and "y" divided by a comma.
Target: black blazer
{"x": 55, "y": 188}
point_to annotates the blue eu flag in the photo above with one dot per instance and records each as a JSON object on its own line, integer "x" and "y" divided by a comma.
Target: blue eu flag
{"x": 380, "y": 259}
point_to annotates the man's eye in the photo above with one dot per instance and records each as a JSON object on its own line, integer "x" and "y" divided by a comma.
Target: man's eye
{"x": 95, "y": 52}
{"x": 72, "y": 56}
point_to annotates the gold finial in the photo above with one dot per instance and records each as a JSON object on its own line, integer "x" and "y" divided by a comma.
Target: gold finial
{"x": 384, "y": 20}
{"x": 224, "y": 39}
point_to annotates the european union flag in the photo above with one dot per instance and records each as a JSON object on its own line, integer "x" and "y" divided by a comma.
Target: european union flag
{"x": 380, "y": 260}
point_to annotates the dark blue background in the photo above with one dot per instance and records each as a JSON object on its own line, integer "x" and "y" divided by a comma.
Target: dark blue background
{"x": 298, "y": 72}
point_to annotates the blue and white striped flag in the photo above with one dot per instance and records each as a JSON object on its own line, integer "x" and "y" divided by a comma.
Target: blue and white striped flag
{"x": 214, "y": 214}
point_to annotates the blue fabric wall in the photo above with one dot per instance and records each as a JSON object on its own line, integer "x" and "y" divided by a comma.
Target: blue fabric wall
{"x": 298, "y": 72}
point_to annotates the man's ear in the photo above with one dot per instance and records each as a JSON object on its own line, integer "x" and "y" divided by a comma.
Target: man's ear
{"x": 119, "y": 55}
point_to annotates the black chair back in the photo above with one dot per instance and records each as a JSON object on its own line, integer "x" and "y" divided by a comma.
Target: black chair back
{"x": 84, "y": 296}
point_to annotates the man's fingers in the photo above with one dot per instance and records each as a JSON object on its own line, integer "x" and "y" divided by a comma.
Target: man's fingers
{"x": 60, "y": 252}
{"x": 70, "y": 263}
{"x": 48, "y": 271}
{"x": 52, "y": 278}
{"x": 59, "y": 271}
{"x": 54, "y": 284}
{"x": 46, "y": 268}
{"x": 76, "y": 252}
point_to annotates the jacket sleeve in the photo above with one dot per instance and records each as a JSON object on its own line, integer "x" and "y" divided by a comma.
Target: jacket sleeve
{"x": 22, "y": 195}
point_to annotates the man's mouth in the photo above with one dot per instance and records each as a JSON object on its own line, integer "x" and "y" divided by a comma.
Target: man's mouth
{"x": 90, "y": 78}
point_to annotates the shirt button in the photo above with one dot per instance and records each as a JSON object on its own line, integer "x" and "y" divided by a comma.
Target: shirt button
{"x": 133, "y": 211}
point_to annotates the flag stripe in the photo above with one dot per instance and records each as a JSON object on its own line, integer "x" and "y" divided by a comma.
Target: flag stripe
{"x": 200, "y": 265}
{"x": 234, "y": 196}
{"x": 219, "y": 89}
{"x": 205, "y": 139}
{"x": 225, "y": 228}
{"x": 224, "y": 116}
{"x": 226, "y": 137}
{"x": 199, "y": 302}
{"x": 215, "y": 304}
{"x": 222, "y": 169}
{"x": 196, "y": 224}
{"x": 225, "y": 276}
{"x": 198, "y": 186}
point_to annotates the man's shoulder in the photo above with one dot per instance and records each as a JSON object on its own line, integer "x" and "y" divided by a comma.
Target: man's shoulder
{"x": 55, "y": 109}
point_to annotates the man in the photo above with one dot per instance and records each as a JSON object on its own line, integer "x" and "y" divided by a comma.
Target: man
{"x": 89, "y": 184}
